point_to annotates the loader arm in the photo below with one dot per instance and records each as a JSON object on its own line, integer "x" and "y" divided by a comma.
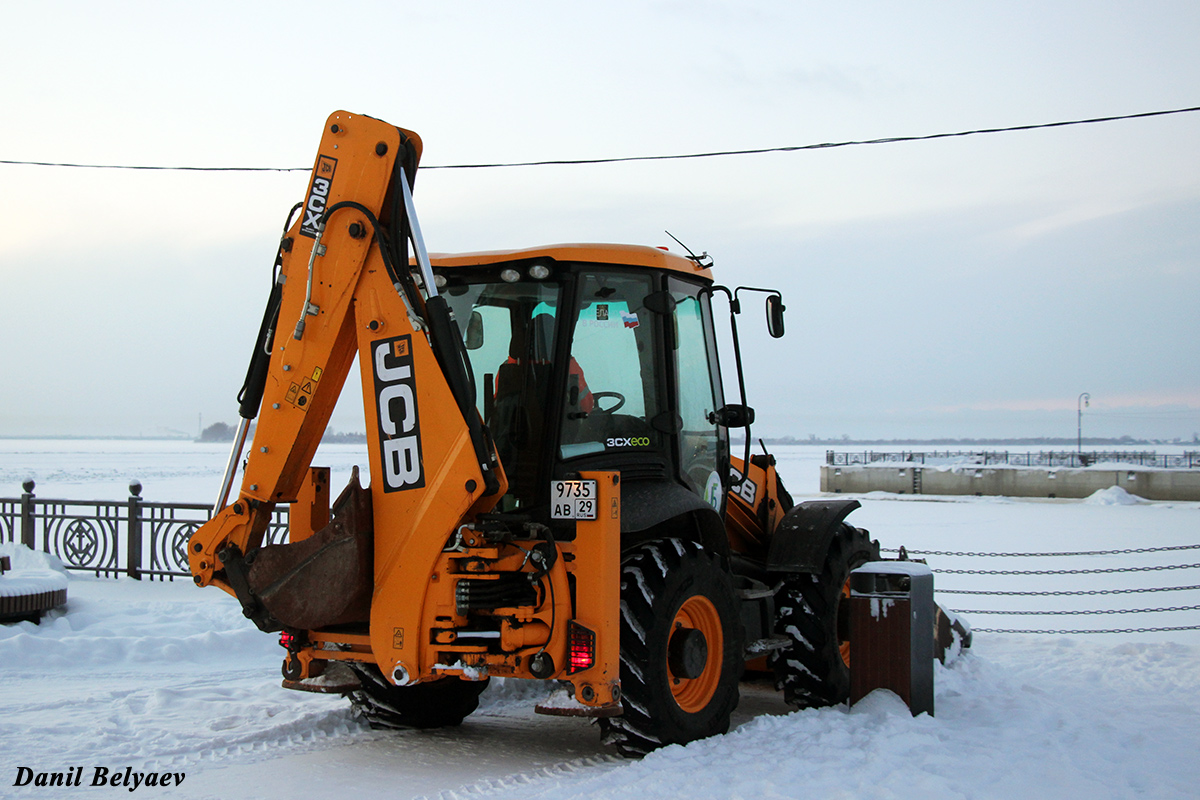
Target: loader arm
{"x": 347, "y": 290}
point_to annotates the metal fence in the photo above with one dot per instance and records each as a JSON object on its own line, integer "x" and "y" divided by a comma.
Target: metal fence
{"x": 133, "y": 537}
{"x": 1048, "y": 458}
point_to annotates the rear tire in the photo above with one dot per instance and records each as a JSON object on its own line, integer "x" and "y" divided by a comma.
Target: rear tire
{"x": 814, "y": 669}
{"x": 437, "y": 704}
{"x": 681, "y": 648}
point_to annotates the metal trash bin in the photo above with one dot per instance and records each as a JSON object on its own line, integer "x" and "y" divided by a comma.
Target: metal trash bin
{"x": 891, "y": 632}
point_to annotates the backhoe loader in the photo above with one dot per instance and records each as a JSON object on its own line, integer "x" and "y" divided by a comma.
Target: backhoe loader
{"x": 552, "y": 493}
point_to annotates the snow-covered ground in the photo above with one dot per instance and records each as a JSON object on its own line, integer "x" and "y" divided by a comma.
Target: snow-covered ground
{"x": 163, "y": 677}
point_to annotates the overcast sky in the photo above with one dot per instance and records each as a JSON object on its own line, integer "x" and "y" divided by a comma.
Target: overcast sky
{"x": 964, "y": 287}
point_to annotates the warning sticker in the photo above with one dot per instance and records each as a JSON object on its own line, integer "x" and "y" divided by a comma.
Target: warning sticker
{"x": 292, "y": 392}
{"x": 316, "y": 376}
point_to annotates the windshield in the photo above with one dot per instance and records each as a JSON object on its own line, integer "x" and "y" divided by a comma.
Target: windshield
{"x": 615, "y": 369}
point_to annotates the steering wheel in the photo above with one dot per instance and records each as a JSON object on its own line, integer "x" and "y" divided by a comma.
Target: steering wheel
{"x": 596, "y": 397}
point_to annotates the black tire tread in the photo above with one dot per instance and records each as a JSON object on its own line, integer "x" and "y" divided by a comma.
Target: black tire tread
{"x": 810, "y": 670}
{"x": 437, "y": 704}
{"x": 653, "y": 587}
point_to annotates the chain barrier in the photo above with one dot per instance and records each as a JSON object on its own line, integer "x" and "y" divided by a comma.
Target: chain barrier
{"x": 1106, "y": 630}
{"x": 1069, "y": 592}
{"x": 1076, "y": 592}
{"x": 1065, "y": 571}
{"x": 1080, "y": 613}
{"x": 968, "y": 554}
{"x": 1189, "y": 459}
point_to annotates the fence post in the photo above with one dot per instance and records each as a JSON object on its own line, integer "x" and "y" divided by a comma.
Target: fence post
{"x": 27, "y": 536}
{"x": 133, "y": 544}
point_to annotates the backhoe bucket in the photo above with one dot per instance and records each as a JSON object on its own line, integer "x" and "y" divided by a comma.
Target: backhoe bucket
{"x": 326, "y": 579}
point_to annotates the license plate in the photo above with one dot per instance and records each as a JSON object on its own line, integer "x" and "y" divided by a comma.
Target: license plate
{"x": 573, "y": 500}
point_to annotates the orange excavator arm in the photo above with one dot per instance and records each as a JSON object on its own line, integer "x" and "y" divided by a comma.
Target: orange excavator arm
{"x": 344, "y": 287}
{"x": 416, "y": 576}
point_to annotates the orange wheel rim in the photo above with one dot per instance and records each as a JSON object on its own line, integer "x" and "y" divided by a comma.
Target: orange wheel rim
{"x": 844, "y": 644}
{"x": 693, "y": 694}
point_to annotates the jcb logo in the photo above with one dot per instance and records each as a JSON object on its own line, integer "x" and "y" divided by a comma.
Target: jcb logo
{"x": 747, "y": 491}
{"x": 396, "y": 404}
{"x": 318, "y": 196}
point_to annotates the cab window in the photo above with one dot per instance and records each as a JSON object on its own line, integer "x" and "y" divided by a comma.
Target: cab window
{"x": 698, "y": 388}
{"x": 612, "y": 381}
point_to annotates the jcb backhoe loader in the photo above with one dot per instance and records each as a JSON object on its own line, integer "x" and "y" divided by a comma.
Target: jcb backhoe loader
{"x": 552, "y": 493}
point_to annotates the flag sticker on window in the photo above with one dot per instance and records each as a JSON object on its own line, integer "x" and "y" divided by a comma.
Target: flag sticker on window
{"x": 630, "y": 319}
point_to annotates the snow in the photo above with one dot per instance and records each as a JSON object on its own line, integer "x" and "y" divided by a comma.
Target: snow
{"x": 23, "y": 560}
{"x": 32, "y": 572}
{"x": 1113, "y": 496}
{"x": 31, "y": 583}
{"x": 562, "y": 699}
{"x": 910, "y": 568}
{"x": 163, "y": 677}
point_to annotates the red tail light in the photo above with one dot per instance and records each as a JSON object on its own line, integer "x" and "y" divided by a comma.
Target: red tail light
{"x": 582, "y": 652}
{"x": 288, "y": 640}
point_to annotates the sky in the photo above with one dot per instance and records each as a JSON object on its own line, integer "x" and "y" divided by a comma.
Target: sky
{"x": 968, "y": 287}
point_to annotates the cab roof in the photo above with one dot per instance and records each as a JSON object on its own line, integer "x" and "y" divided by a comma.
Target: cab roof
{"x": 632, "y": 255}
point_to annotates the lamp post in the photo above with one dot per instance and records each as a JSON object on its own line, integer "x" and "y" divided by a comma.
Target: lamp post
{"x": 1084, "y": 401}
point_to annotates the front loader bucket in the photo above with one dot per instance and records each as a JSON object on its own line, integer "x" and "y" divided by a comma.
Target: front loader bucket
{"x": 326, "y": 579}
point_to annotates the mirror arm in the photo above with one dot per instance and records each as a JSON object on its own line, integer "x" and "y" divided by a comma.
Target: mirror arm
{"x": 734, "y": 310}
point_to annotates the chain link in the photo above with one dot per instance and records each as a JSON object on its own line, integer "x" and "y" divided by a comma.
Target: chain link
{"x": 1105, "y": 630}
{"x": 1070, "y": 593}
{"x": 1064, "y": 571}
{"x": 1066, "y": 593}
{"x": 1080, "y": 613}
{"x": 1131, "y": 551}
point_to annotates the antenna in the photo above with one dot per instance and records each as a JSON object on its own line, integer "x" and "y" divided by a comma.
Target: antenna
{"x": 702, "y": 260}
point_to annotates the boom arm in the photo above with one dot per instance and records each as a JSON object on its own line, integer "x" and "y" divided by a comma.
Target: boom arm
{"x": 346, "y": 290}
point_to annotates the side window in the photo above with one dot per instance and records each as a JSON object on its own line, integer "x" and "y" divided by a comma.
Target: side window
{"x": 496, "y": 334}
{"x": 509, "y": 333}
{"x": 612, "y": 381}
{"x": 699, "y": 444}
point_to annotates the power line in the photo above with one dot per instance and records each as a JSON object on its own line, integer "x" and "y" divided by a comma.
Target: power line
{"x": 822, "y": 145}
{"x": 158, "y": 168}
{"x": 678, "y": 156}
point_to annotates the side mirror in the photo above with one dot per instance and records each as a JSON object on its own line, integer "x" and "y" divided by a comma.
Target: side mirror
{"x": 733, "y": 415}
{"x": 475, "y": 331}
{"x": 775, "y": 309}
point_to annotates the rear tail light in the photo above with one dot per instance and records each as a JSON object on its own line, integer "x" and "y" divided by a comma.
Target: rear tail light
{"x": 582, "y": 648}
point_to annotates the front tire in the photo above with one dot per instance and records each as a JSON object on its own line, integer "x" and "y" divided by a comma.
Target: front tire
{"x": 436, "y": 704}
{"x": 812, "y": 613}
{"x": 681, "y": 648}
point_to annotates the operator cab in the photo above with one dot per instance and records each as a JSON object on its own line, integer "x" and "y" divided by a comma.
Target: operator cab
{"x": 583, "y": 365}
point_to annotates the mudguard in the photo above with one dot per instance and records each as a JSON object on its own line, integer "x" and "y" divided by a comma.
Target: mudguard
{"x": 649, "y": 505}
{"x": 800, "y": 542}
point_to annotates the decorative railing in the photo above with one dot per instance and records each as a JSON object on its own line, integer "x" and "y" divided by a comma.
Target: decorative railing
{"x": 1145, "y": 458}
{"x": 132, "y": 537}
